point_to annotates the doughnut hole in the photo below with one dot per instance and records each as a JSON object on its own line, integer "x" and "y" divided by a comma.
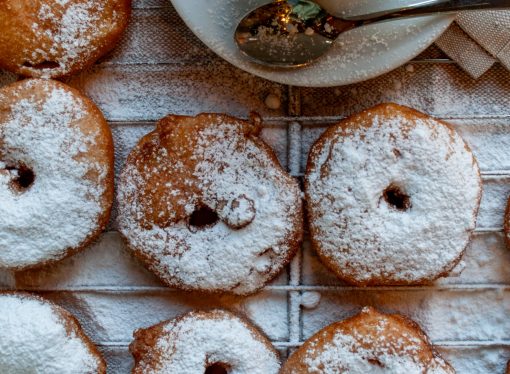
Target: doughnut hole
{"x": 376, "y": 362}
{"x": 216, "y": 368}
{"x": 397, "y": 198}
{"x": 202, "y": 217}
{"x": 24, "y": 177}
{"x": 42, "y": 65}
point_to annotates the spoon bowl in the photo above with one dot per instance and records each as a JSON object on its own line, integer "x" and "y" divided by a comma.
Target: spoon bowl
{"x": 276, "y": 34}
{"x": 295, "y": 33}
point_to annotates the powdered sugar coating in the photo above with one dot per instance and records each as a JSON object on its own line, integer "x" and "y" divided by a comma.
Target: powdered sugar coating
{"x": 51, "y": 130}
{"x": 360, "y": 235}
{"x": 216, "y": 161}
{"x": 193, "y": 342}
{"x": 344, "y": 352}
{"x": 38, "y": 337}
{"x": 60, "y": 36}
{"x": 370, "y": 342}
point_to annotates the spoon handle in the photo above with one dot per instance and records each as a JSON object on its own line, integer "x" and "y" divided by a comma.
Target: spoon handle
{"x": 424, "y": 7}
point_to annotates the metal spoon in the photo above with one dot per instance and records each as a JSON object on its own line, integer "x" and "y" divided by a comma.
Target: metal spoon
{"x": 293, "y": 33}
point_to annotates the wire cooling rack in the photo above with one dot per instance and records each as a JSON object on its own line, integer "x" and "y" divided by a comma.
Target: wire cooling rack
{"x": 161, "y": 68}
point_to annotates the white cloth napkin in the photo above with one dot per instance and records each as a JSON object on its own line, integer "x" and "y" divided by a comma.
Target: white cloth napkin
{"x": 477, "y": 40}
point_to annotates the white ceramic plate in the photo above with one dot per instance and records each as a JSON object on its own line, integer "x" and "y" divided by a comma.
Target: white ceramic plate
{"x": 358, "y": 55}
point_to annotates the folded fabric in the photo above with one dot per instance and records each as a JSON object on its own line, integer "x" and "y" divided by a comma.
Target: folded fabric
{"x": 477, "y": 40}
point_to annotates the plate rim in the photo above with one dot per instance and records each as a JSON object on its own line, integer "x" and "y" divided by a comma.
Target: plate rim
{"x": 258, "y": 70}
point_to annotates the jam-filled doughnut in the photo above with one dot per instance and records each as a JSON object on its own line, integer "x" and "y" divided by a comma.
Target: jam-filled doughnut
{"x": 392, "y": 196}
{"x": 56, "y": 173}
{"x": 56, "y": 38}
{"x": 370, "y": 342}
{"x": 204, "y": 203}
{"x": 214, "y": 342}
{"x": 37, "y": 336}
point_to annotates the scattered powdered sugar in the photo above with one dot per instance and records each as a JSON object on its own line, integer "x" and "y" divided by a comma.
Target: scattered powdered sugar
{"x": 378, "y": 348}
{"x": 197, "y": 340}
{"x": 59, "y": 210}
{"x": 257, "y": 203}
{"x": 36, "y": 338}
{"x": 355, "y": 174}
